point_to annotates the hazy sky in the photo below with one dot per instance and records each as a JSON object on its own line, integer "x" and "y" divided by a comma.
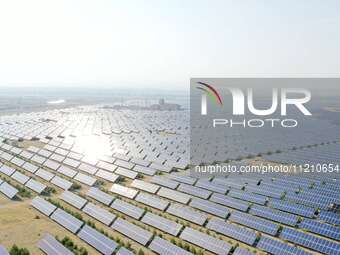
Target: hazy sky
{"x": 164, "y": 43}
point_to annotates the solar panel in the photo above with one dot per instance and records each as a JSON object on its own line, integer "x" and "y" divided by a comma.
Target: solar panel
{"x": 276, "y": 247}
{"x": 161, "y": 223}
{"x": 57, "y": 157}
{"x": 320, "y": 228}
{"x": 233, "y": 231}
{"x": 50, "y": 246}
{"x": 292, "y": 208}
{"x": 30, "y": 167}
{"x": 45, "y": 153}
{"x": 205, "y": 184}
{"x": 61, "y": 183}
{"x": 19, "y": 177}
{"x": 143, "y": 185}
{"x": 230, "y": 202}
{"x": 16, "y": 150}
{"x": 187, "y": 213}
{"x": 227, "y": 182}
{"x": 310, "y": 241}
{"x": 132, "y": 231}
{"x": 6, "y": 146}
{"x": 7, "y": 170}
{"x": 139, "y": 161}
{"x": 274, "y": 215}
{"x": 107, "y": 159}
{"x": 38, "y": 159}
{"x": 266, "y": 192}
{"x": 67, "y": 171}
{"x": 67, "y": 220}
{"x": 161, "y": 246}
{"x": 164, "y": 182}
{"x": 17, "y": 161}
{"x": 43, "y": 206}
{"x": 152, "y": 201}
{"x": 61, "y": 151}
{"x": 87, "y": 168}
{"x": 99, "y": 213}
{"x": 35, "y": 186}
{"x": 71, "y": 162}
{"x": 329, "y": 217}
{"x": 73, "y": 199}
{"x": 3, "y": 251}
{"x": 127, "y": 208}
{"x": 106, "y": 166}
{"x": 121, "y": 155}
{"x": 124, "y": 251}
{"x": 26, "y": 154}
{"x": 184, "y": 179}
{"x": 97, "y": 240}
{"x": 257, "y": 223}
{"x": 162, "y": 168}
{"x": 51, "y": 164}
{"x": 242, "y": 251}
{"x": 6, "y": 156}
{"x": 107, "y": 175}
{"x": 144, "y": 170}
{"x": 174, "y": 195}
{"x": 195, "y": 191}
{"x": 50, "y": 147}
{"x": 100, "y": 196}
{"x": 124, "y": 164}
{"x": 89, "y": 159}
{"x": 126, "y": 173}
{"x": 8, "y": 190}
{"x": 210, "y": 207}
{"x": 124, "y": 191}
{"x": 47, "y": 176}
{"x": 205, "y": 241}
{"x": 85, "y": 179}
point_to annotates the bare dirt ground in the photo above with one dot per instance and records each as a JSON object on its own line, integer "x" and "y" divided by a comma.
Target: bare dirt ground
{"x": 20, "y": 225}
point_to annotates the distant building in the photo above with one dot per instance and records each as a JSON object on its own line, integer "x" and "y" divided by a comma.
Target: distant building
{"x": 163, "y": 106}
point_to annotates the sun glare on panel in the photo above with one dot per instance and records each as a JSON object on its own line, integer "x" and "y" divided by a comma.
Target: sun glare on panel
{"x": 93, "y": 146}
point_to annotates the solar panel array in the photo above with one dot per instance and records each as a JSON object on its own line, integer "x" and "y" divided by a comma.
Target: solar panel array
{"x": 231, "y": 230}
{"x": 132, "y": 231}
{"x": 274, "y": 215}
{"x": 315, "y": 243}
{"x": 50, "y": 246}
{"x": 8, "y": 190}
{"x": 210, "y": 207}
{"x": 230, "y": 202}
{"x": 256, "y": 223}
{"x": 274, "y": 246}
{"x": 127, "y": 209}
{"x": 3, "y": 251}
{"x": 66, "y": 220}
{"x": 133, "y": 182}
{"x": 73, "y": 199}
{"x": 99, "y": 213}
{"x": 207, "y": 242}
{"x": 187, "y": 213}
{"x": 152, "y": 201}
{"x": 162, "y": 246}
{"x": 99, "y": 241}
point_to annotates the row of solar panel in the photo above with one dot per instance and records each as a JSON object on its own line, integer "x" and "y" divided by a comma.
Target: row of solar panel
{"x": 22, "y": 179}
{"x": 100, "y": 241}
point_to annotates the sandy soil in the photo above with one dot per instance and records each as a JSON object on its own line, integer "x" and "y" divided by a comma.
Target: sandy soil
{"x": 18, "y": 224}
